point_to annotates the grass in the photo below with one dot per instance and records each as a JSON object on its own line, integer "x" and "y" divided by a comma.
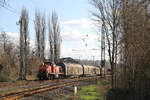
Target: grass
{"x": 4, "y": 77}
{"x": 95, "y": 91}
{"x": 89, "y": 93}
{"x": 31, "y": 77}
{"x": 10, "y": 90}
{"x": 14, "y": 78}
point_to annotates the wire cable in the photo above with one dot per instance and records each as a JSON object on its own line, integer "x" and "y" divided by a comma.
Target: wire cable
{"x": 13, "y": 10}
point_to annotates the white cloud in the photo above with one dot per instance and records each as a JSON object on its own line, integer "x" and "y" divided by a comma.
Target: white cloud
{"x": 13, "y": 37}
{"x": 82, "y": 53}
{"x": 83, "y": 23}
{"x": 72, "y": 35}
{"x": 78, "y": 35}
{"x": 67, "y": 28}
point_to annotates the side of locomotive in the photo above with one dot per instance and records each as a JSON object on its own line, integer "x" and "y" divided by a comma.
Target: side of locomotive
{"x": 50, "y": 71}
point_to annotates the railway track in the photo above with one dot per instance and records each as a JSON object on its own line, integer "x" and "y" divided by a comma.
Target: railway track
{"x": 43, "y": 88}
{"x": 8, "y": 84}
{"x": 33, "y": 82}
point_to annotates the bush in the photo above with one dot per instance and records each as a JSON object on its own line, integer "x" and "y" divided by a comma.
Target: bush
{"x": 4, "y": 77}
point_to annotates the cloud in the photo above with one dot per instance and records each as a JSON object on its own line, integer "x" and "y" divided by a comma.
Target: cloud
{"x": 75, "y": 30}
{"x": 72, "y": 35}
{"x": 82, "y": 53}
{"x": 67, "y": 28}
{"x": 78, "y": 36}
{"x": 78, "y": 39}
{"x": 83, "y": 23}
{"x": 13, "y": 37}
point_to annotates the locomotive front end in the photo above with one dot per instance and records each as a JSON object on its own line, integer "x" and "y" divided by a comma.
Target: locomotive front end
{"x": 44, "y": 70}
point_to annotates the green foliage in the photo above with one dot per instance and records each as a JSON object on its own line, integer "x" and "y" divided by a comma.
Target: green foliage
{"x": 99, "y": 83}
{"x": 88, "y": 88}
{"x": 4, "y": 77}
{"x": 87, "y": 97}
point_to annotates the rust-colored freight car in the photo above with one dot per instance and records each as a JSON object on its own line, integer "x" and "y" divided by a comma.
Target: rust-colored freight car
{"x": 77, "y": 70}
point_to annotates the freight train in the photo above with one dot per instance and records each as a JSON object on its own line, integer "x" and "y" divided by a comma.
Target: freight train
{"x": 63, "y": 69}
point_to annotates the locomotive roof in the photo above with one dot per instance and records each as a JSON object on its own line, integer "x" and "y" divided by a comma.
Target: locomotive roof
{"x": 69, "y": 60}
{"x": 47, "y": 62}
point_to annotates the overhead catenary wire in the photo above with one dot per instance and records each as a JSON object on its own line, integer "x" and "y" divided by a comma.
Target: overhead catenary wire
{"x": 8, "y": 9}
{"x": 12, "y": 10}
{"x": 2, "y": 2}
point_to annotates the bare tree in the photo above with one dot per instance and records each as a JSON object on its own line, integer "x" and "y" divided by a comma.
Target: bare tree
{"x": 108, "y": 15}
{"x": 5, "y": 48}
{"x": 51, "y": 40}
{"x": 127, "y": 31}
{"x": 40, "y": 29}
{"x": 54, "y": 37}
{"x": 4, "y": 40}
{"x": 24, "y": 43}
{"x": 135, "y": 46}
{"x": 43, "y": 30}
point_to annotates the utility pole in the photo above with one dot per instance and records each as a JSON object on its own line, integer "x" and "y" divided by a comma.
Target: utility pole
{"x": 102, "y": 50}
{"x": 94, "y": 60}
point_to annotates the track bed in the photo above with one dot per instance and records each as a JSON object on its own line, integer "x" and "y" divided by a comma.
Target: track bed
{"x": 29, "y": 90}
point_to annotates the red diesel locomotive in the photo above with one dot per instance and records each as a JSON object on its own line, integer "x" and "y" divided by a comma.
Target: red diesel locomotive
{"x": 49, "y": 70}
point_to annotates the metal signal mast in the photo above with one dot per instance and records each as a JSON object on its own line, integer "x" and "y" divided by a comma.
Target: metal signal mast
{"x": 102, "y": 49}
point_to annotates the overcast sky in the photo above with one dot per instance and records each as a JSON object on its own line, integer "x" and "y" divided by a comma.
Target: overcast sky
{"x": 74, "y": 18}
